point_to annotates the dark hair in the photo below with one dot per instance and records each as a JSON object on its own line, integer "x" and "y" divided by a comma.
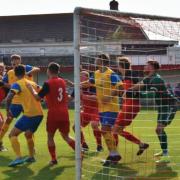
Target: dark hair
{"x": 54, "y": 67}
{"x": 105, "y": 58}
{"x": 19, "y": 70}
{"x": 155, "y": 64}
{"x": 124, "y": 62}
{"x": 15, "y": 56}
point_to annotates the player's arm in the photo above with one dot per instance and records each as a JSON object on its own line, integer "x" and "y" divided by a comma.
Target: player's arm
{"x": 136, "y": 88}
{"x": 69, "y": 83}
{"x": 116, "y": 84}
{"x": 71, "y": 96}
{"x": 157, "y": 85}
{"x": 15, "y": 89}
{"x": 9, "y": 98}
{"x": 85, "y": 84}
{"x": 30, "y": 70}
{"x": 41, "y": 94}
{"x": 5, "y": 81}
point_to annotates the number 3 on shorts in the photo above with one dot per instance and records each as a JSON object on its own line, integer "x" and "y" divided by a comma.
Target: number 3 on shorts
{"x": 60, "y": 94}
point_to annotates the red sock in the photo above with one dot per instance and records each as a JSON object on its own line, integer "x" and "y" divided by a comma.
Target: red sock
{"x": 116, "y": 139}
{"x": 52, "y": 151}
{"x": 1, "y": 121}
{"x": 130, "y": 137}
{"x": 82, "y": 138}
{"x": 97, "y": 134}
{"x": 72, "y": 144}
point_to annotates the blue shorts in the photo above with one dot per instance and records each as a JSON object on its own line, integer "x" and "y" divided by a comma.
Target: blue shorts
{"x": 108, "y": 118}
{"x": 29, "y": 123}
{"x": 16, "y": 110}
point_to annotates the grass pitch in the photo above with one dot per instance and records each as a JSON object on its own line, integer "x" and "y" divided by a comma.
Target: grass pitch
{"x": 143, "y": 167}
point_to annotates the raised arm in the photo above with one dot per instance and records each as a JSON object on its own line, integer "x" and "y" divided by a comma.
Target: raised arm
{"x": 41, "y": 94}
{"x": 31, "y": 70}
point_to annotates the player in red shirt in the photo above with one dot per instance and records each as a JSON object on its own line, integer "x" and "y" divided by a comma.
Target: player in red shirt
{"x": 3, "y": 94}
{"x": 130, "y": 105}
{"x": 89, "y": 113}
{"x": 89, "y": 110}
{"x": 54, "y": 90}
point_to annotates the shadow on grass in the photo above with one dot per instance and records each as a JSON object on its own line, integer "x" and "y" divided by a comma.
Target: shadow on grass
{"x": 70, "y": 157}
{"x": 50, "y": 173}
{"x": 114, "y": 172}
{"x": 4, "y": 161}
{"x": 164, "y": 171}
{"x": 18, "y": 172}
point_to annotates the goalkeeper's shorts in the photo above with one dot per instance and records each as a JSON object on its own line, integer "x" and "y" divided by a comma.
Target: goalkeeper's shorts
{"x": 166, "y": 114}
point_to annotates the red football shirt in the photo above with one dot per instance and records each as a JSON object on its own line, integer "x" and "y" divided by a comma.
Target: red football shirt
{"x": 55, "y": 92}
{"x": 88, "y": 103}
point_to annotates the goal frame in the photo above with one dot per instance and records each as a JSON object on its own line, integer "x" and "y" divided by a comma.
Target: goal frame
{"x": 77, "y": 43}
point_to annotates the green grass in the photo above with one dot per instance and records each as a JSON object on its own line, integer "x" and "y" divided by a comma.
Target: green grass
{"x": 130, "y": 166}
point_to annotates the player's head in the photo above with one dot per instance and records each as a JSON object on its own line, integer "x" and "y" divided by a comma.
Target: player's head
{"x": 102, "y": 60}
{"x": 53, "y": 69}
{"x": 2, "y": 68}
{"x": 84, "y": 76}
{"x": 151, "y": 67}
{"x": 20, "y": 71}
{"x": 123, "y": 63}
{"x": 15, "y": 60}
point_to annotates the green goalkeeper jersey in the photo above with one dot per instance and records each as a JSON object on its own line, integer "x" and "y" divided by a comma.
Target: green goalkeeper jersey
{"x": 155, "y": 87}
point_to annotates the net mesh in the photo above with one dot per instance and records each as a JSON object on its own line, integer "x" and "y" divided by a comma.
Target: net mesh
{"x": 140, "y": 38}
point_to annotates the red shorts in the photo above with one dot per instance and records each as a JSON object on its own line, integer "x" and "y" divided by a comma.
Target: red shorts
{"x": 2, "y": 94}
{"x": 58, "y": 120}
{"x": 88, "y": 115}
{"x": 130, "y": 109}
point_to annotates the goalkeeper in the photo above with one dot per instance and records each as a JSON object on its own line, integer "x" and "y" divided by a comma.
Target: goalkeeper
{"x": 154, "y": 86}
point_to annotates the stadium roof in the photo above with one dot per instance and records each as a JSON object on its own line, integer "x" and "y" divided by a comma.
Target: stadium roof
{"x": 59, "y": 28}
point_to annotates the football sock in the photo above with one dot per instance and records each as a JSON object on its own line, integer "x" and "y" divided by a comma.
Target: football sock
{"x": 110, "y": 141}
{"x": 130, "y": 137}
{"x": 71, "y": 143}
{"x": 1, "y": 120}
{"x": 30, "y": 143}
{"x": 16, "y": 146}
{"x": 52, "y": 152}
{"x": 82, "y": 138}
{"x": 97, "y": 135}
{"x": 163, "y": 142}
{"x": 116, "y": 139}
{"x": 3, "y": 131}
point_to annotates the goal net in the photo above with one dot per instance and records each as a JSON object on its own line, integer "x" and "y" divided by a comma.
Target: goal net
{"x": 139, "y": 38}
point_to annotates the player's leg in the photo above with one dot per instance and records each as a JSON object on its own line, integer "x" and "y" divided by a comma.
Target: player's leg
{"x": 84, "y": 122}
{"x": 83, "y": 141}
{"x": 13, "y": 136}
{"x": 30, "y": 143}
{"x": 97, "y": 135}
{"x": 1, "y": 120}
{"x": 125, "y": 118}
{"x": 30, "y": 126}
{"x": 107, "y": 121}
{"x": 52, "y": 148}
{"x": 15, "y": 112}
{"x": 51, "y": 127}
{"x": 1, "y": 125}
{"x": 64, "y": 129}
{"x": 162, "y": 136}
{"x": 165, "y": 116}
